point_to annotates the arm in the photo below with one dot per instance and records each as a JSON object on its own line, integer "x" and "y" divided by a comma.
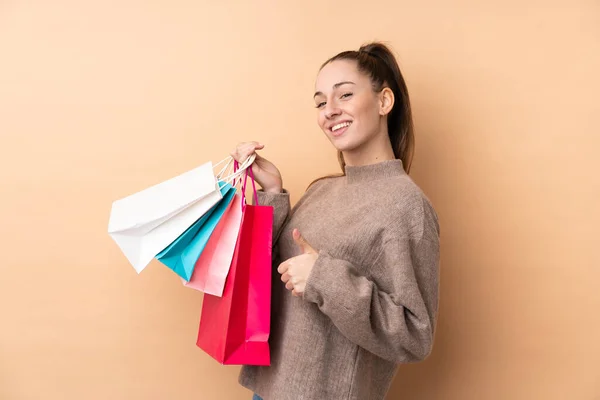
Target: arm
{"x": 281, "y": 208}
{"x": 393, "y": 315}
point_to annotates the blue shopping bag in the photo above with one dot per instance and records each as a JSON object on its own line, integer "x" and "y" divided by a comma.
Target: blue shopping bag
{"x": 182, "y": 254}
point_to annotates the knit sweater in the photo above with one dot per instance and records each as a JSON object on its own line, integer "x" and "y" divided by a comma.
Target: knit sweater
{"x": 371, "y": 299}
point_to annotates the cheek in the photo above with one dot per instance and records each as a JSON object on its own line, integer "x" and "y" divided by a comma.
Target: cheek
{"x": 369, "y": 113}
{"x": 321, "y": 119}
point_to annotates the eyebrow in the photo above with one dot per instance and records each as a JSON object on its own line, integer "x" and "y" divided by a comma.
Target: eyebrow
{"x": 337, "y": 85}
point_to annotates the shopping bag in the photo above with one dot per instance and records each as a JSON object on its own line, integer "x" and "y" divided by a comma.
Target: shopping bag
{"x": 212, "y": 267}
{"x": 234, "y": 329}
{"x": 145, "y": 223}
{"x": 181, "y": 255}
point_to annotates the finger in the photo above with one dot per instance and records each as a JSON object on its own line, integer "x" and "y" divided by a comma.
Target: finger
{"x": 250, "y": 147}
{"x": 283, "y": 267}
{"x": 237, "y": 151}
{"x": 289, "y": 286}
{"x": 245, "y": 150}
{"x": 239, "y": 155}
{"x": 285, "y": 277}
{"x": 294, "y": 293}
{"x": 301, "y": 242}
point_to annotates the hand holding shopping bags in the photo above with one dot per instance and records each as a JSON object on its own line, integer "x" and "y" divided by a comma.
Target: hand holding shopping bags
{"x": 145, "y": 223}
{"x": 199, "y": 226}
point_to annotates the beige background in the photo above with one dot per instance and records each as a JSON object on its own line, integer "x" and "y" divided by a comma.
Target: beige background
{"x": 99, "y": 99}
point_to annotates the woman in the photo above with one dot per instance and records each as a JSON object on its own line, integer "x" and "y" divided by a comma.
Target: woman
{"x": 356, "y": 291}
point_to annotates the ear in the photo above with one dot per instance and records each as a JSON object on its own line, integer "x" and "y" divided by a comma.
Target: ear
{"x": 386, "y": 101}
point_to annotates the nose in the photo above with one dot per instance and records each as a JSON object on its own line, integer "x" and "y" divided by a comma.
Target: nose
{"x": 331, "y": 111}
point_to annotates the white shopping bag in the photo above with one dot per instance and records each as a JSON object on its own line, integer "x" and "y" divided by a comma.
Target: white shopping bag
{"x": 146, "y": 222}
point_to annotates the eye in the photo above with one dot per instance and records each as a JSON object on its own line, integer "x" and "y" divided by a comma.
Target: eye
{"x": 346, "y": 95}
{"x": 320, "y": 105}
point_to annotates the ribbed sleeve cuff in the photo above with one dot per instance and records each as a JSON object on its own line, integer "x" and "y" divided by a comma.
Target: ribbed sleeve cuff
{"x": 281, "y": 207}
{"x": 320, "y": 284}
{"x": 280, "y": 200}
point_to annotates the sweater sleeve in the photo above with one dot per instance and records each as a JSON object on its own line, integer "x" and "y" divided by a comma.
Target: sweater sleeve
{"x": 281, "y": 207}
{"x": 393, "y": 314}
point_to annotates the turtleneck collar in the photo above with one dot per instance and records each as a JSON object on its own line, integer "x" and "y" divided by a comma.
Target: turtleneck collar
{"x": 380, "y": 170}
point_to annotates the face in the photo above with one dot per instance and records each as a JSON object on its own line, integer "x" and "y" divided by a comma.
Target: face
{"x": 350, "y": 112}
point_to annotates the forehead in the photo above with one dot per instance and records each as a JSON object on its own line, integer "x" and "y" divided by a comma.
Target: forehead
{"x": 339, "y": 71}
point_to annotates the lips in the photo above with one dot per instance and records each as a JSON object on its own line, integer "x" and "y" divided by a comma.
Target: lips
{"x": 339, "y": 128}
{"x": 340, "y": 125}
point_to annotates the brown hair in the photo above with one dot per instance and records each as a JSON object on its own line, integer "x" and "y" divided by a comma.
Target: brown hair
{"x": 378, "y": 62}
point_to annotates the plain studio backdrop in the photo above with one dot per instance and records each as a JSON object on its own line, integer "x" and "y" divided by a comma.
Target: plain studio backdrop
{"x": 100, "y": 99}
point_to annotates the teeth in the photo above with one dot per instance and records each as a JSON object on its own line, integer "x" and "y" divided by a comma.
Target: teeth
{"x": 339, "y": 126}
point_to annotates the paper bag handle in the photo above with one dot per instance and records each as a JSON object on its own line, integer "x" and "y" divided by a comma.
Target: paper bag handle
{"x": 248, "y": 171}
{"x": 237, "y": 171}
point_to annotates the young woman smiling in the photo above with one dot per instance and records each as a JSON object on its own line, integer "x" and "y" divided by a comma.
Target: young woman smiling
{"x": 356, "y": 291}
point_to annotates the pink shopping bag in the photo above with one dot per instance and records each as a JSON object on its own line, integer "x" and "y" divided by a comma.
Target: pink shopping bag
{"x": 234, "y": 329}
{"x": 212, "y": 267}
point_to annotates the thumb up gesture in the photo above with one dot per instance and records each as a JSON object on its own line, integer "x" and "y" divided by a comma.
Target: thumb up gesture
{"x": 295, "y": 271}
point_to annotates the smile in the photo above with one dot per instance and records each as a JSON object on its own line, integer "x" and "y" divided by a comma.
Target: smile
{"x": 340, "y": 126}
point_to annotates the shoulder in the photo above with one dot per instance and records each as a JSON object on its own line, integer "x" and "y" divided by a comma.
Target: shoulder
{"x": 319, "y": 188}
{"x": 407, "y": 209}
{"x": 316, "y": 190}
{"x": 322, "y": 183}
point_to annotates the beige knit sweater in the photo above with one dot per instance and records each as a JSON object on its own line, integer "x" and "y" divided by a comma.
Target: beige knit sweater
{"x": 371, "y": 300}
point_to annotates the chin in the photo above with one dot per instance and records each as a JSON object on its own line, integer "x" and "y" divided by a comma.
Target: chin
{"x": 344, "y": 144}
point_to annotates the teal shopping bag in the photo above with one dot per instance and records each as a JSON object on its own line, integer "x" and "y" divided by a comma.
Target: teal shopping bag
{"x": 182, "y": 254}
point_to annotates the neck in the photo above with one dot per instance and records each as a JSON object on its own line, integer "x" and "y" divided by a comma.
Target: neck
{"x": 372, "y": 152}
